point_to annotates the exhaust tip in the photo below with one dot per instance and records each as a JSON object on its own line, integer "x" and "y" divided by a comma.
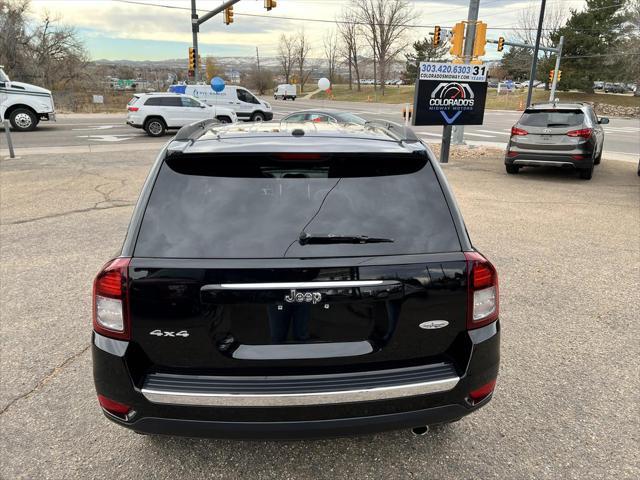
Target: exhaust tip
{"x": 420, "y": 431}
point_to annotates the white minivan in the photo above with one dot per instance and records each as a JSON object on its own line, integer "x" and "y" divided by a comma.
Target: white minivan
{"x": 284, "y": 91}
{"x": 247, "y": 106}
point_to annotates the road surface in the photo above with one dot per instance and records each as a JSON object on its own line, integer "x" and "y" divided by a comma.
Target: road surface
{"x": 622, "y": 140}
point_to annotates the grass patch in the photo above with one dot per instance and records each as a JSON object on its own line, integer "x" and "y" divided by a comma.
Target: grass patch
{"x": 512, "y": 101}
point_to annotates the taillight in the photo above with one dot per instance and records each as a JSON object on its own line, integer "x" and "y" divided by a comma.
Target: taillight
{"x": 133, "y": 109}
{"x": 583, "y": 133}
{"x": 113, "y": 407}
{"x": 483, "y": 303}
{"x": 110, "y": 300}
{"x": 518, "y": 131}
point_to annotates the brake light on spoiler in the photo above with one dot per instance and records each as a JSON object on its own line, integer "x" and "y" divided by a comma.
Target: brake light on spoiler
{"x": 483, "y": 295}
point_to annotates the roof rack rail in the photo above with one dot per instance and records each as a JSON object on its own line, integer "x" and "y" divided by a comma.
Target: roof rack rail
{"x": 395, "y": 130}
{"x": 194, "y": 130}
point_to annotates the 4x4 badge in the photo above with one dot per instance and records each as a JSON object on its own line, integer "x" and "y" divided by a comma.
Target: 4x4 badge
{"x": 307, "y": 297}
{"x": 433, "y": 324}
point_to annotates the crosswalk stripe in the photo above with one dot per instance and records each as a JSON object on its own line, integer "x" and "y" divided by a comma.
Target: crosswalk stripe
{"x": 479, "y": 135}
{"x": 429, "y": 134}
{"x": 505, "y": 132}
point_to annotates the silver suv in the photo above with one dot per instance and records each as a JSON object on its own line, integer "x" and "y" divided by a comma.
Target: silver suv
{"x": 567, "y": 135}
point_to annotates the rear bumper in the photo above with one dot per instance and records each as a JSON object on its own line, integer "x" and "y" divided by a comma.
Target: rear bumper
{"x": 299, "y": 429}
{"x": 576, "y": 158}
{"x": 351, "y": 410}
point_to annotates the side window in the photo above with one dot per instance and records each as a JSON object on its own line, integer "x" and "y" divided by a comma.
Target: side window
{"x": 243, "y": 95}
{"x": 153, "y": 102}
{"x": 190, "y": 102}
{"x": 314, "y": 117}
{"x": 171, "y": 102}
{"x": 298, "y": 117}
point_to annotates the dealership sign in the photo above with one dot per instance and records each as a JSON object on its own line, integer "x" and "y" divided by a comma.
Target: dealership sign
{"x": 450, "y": 94}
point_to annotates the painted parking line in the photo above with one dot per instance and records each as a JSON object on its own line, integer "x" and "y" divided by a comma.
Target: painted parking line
{"x": 430, "y": 134}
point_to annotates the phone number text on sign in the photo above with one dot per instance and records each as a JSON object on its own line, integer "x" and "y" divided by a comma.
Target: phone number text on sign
{"x": 452, "y": 71}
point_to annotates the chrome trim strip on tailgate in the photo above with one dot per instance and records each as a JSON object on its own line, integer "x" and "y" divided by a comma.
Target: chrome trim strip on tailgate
{"x": 551, "y": 163}
{"x": 299, "y": 399}
{"x": 296, "y": 285}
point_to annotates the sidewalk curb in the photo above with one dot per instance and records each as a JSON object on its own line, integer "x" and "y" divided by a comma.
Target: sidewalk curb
{"x": 4, "y": 153}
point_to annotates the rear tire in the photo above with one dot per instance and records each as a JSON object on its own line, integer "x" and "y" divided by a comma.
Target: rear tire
{"x": 155, "y": 127}
{"x": 512, "y": 169}
{"x": 596, "y": 161}
{"x": 224, "y": 119}
{"x": 23, "y": 120}
{"x": 586, "y": 173}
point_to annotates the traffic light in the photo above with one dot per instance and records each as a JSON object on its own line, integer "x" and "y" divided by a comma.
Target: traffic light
{"x": 559, "y": 75}
{"x": 457, "y": 39}
{"x": 551, "y": 74}
{"x": 500, "y": 44}
{"x": 480, "y": 40}
{"x": 436, "y": 35}
{"x": 228, "y": 15}
{"x": 269, "y": 4}
{"x": 192, "y": 59}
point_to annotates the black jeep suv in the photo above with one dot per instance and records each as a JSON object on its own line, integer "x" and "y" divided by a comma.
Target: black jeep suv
{"x": 294, "y": 280}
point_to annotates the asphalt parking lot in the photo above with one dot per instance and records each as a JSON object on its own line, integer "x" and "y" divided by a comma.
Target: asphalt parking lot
{"x": 566, "y": 405}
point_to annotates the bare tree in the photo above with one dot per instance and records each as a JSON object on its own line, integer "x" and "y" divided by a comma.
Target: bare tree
{"x": 286, "y": 55}
{"x": 301, "y": 54}
{"x": 555, "y": 16}
{"x": 44, "y": 52}
{"x": 349, "y": 32}
{"x": 331, "y": 53}
{"x": 385, "y": 24}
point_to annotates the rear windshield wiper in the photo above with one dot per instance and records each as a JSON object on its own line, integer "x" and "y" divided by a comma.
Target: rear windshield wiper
{"x": 322, "y": 239}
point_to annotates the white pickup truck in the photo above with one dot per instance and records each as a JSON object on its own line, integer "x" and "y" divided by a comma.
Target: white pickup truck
{"x": 24, "y": 104}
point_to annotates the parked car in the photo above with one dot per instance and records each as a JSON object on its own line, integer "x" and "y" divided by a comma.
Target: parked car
{"x": 285, "y": 91}
{"x": 289, "y": 281}
{"x": 23, "y": 104}
{"x": 614, "y": 88}
{"x": 319, "y": 116}
{"x": 248, "y": 107}
{"x": 567, "y": 135}
{"x": 158, "y": 112}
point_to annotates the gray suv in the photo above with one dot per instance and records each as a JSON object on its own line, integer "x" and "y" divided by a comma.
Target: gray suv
{"x": 567, "y": 135}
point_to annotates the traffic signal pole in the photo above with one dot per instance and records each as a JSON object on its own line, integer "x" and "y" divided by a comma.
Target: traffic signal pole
{"x": 195, "y": 27}
{"x": 469, "y": 38}
{"x": 536, "y": 49}
{"x": 556, "y": 71}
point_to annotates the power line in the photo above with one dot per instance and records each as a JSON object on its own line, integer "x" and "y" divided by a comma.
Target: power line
{"x": 325, "y": 20}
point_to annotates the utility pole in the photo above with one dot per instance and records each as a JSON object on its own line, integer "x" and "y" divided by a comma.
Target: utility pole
{"x": 259, "y": 75}
{"x": 534, "y": 62}
{"x": 556, "y": 71}
{"x": 469, "y": 38}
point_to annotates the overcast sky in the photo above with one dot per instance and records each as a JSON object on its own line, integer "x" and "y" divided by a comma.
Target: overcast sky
{"x": 113, "y": 29}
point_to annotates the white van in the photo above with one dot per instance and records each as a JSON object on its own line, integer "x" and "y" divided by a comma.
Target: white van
{"x": 24, "y": 104}
{"x": 284, "y": 91}
{"x": 247, "y": 106}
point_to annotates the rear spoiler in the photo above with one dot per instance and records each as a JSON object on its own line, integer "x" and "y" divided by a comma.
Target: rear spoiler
{"x": 188, "y": 134}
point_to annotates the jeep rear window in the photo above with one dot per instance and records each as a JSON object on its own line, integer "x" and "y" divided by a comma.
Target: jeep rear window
{"x": 257, "y": 205}
{"x": 552, "y": 118}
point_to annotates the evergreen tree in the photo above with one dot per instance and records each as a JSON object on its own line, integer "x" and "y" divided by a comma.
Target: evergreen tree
{"x": 423, "y": 51}
{"x": 517, "y": 63}
{"x": 593, "y": 39}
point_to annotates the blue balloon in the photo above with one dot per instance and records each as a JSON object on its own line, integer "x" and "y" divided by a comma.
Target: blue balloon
{"x": 217, "y": 84}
